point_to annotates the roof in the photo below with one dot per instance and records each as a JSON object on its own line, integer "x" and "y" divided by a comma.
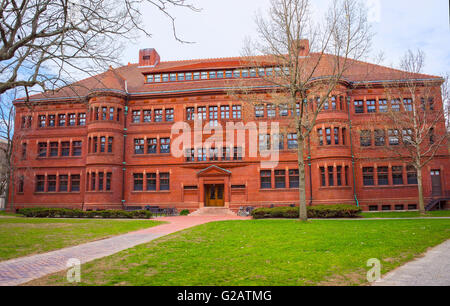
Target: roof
{"x": 131, "y": 78}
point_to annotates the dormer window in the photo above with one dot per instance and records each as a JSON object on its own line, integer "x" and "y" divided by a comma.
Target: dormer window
{"x": 157, "y": 78}
{"x": 196, "y": 76}
{"x": 173, "y": 77}
{"x": 165, "y": 78}
{"x": 212, "y": 75}
{"x": 180, "y": 76}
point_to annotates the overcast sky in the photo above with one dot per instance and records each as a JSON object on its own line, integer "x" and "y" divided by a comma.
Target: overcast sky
{"x": 220, "y": 28}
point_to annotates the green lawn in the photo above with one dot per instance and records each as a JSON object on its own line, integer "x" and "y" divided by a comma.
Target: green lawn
{"x": 406, "y": 214}
{"x": 21, "y": 236}
{"x": 266, "y": 252}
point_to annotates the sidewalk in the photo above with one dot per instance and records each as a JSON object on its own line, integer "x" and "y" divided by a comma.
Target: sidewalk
{"x": 433, "y": 269}
{"x": 21, "y": 270}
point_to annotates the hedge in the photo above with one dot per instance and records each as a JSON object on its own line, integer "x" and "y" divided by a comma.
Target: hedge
{"x": 319, "y": 212}
{"x": 40, "y": 212}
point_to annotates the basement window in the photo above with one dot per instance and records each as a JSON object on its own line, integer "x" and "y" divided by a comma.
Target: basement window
{"x": 386, "y": 207}
{"x": 373, "y": 208}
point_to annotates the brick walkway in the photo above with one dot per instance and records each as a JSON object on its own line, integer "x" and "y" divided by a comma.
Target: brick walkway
{"x": 21, "y": 270}
{"x": 433, "y": 269}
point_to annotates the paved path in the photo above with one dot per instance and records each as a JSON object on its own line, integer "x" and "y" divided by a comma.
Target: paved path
{"x": 431, "y": 270}
{"x": 21, "y": 270}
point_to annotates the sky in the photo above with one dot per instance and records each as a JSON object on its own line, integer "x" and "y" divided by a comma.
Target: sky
{"x": 220, "y": 28}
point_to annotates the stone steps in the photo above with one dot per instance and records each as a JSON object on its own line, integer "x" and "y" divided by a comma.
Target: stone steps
{"x": 213, "y": 211}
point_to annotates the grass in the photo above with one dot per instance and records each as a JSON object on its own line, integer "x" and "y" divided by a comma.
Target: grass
{"x": 9, "y": 214}
{"x": 406, "y": 214}
{"x": 21, "y": 236}
{"x": 266, "y": 252}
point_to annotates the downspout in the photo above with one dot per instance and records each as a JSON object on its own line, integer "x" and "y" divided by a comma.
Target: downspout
{"x": 125, "y": 129}
{"x": 351, "y": 150}
{"x": 310, "y": 172}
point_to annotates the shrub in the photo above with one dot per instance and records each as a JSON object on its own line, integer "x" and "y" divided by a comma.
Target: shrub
{"x": 184, "y": 212}
{"x": 319, "y": 212}
{"x": 40, "y": 212}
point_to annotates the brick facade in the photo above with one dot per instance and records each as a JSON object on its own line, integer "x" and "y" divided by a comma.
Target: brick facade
{"x": 123, "y": 119}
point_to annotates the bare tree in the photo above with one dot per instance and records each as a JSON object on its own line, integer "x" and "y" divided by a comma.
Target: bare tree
{"x": 414, "y": 120}
{"x": 43, "y": 43}
{"x": 304, "y": 81}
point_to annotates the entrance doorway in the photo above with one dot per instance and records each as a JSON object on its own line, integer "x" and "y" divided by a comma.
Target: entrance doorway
{"x": 436, "y": 183}
{"x": 214, "y": 196}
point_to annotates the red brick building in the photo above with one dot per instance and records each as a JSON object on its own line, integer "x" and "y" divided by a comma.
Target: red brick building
{"x": 105, "y": 142}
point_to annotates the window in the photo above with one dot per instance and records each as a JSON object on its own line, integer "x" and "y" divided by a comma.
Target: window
{"x": 371, "y": 107}
{"x": 266, "y": 179}
{"x": 204, "y": 75}
{"x": 373, "y": 207}
{"x": 196, "y": 76}
{"x": 65, "y": 148}
{"x": 397, "y": 175}
{"x": 333, "y": 103}
{"x": 407, "y": 104}
{"x": 151, "y": 181}
{"x": 252, "y": 73}
{"x": 51, "y": 120}
{"x": 237, "y": 112}
{"x": 407, "y": 136}
{"x": 346, "y": 175}
{"x": 382, "y": 106}
{"x": 259, "y": 111}
{"x": 359, "y": 106}
{"x": 147, "y": 116}
{"x": 269, "y": 71}
{"x": 24, "y": 151}
{"x": 280, "y": 181}
{"x": 368, "y": 178}
{"x": 320, "y": 135}
{"x": 108, "y": 181}
{"x": 158, "y": 115}
{"x": 21, "y": 184}
{"x": 261, "y": 72}
{"x": 165, "y": 77}
{"x": 399, "y": 207}
{"x": 339, "y": 175}
{"x": 245, "y": 73}
{"x": 224, "y": 112}
{"x": 213, "y": 115}
{"x": 100, "y": 181}
{"x": 264, "y": 142}
{"x": 383, "y": 176}
{"x": 75, "y": 182}
{"x": 119, "y": 112}
{"x": 95, "y": 144}
{"x": 344, "y": 132}
{"x": 72, "y": 119}
{"x": 62, "y": 120}
{"x": 190, "y": 113}
{"x": 271, "y": 111}
{"x": 164, "y": 181}
{"x": 139, "y": 146}
{"x": 201, "y": 112}
{"x": 279, "y": 138}
{"x": 366, "y": 138}
{"x": 226, "y": 154}
{"x": 102, "y": 144}
{"x": 104, "y": 113}
{"x": 82, "y": 119}
{"x": 136, "y": 116}
{"x": 149, "y": 78}
{"x": 237, "y": 73}
{"x": 395, "y": 105}
{"x": 328, "y": 135}
{"x": 237, "y": 153}
{"x": 323, "y": 182}
{"x": 213, "y": 154}
{"x": 169, "y": 114}
{"x": 40, "y": 183}
{"x": 188, "y": 76}
{"x": 138, "y": 182}
{"x": 431, "y": 134}
{"x": 292, "y": 141}
{"x": 96, "y": 113}
{"x": 393, "y": 138}
{"x": 201, "y": 154}
{"x": 151, "y": 145}
{"x": 63, "y": 183}
{"x": 411, "y": 173}
{"x": 42, "y": 121}
{"x": 293, "y": 179}
{"x": 330, "y": 176}
{"x": 190, "y": 155}
{"x": 336, "y": 136}
{"x": 51, "y": 183}
{"x": 380, "y": 138}
{"x": 431, "y": 103}
{"x": 111, "y": 113}
{"x": 53, "y": 149}
{"x": 110, "y": 144}
{"x": 165, "y": 145}
{"x": 284, "y": 111}
{"x": 42, "y": 149}
{"x": 173, "y": 77}
{"x": 180, "y": 76}
{"x": 212, "y": 74}
{"x": 326, "y": 104}
{"x": 157, "y": 78}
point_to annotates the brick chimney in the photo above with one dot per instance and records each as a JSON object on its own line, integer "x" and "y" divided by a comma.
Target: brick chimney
{"x": 302, "y": 46}
{"x": 148, "y": 58}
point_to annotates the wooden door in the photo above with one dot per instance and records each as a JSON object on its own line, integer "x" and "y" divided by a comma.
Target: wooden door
{"x": 214, "y": 196}
{"x": 436, "y": 182}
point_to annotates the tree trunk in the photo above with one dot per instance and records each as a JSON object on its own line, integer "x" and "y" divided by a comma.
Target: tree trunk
{"x": 420, "y": 189}
{"x": 303, "y": 214}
